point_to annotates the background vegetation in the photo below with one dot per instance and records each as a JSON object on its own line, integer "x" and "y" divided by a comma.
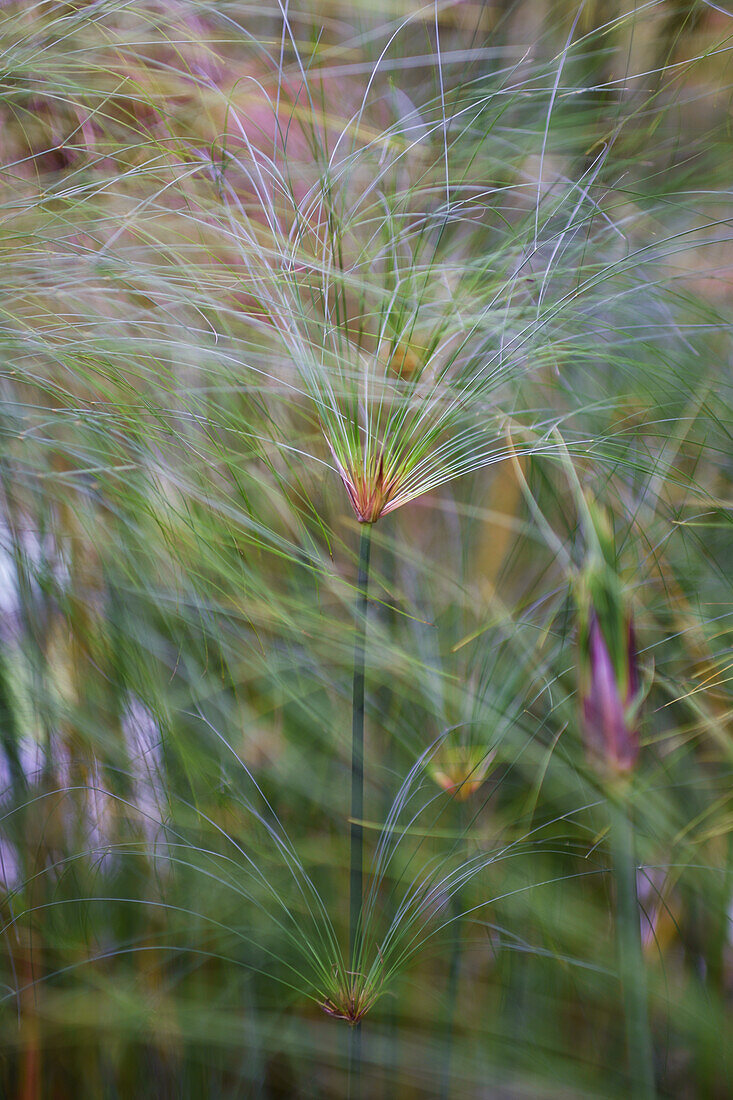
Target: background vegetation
{"x": 249, "y": 253}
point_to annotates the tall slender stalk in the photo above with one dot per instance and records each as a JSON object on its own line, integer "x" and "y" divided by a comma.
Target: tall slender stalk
{"x": 631, "y": 963}
{"x": 356, "y": 873}
{"x": 357, "y": 748}
{"x": 454, "y": 974}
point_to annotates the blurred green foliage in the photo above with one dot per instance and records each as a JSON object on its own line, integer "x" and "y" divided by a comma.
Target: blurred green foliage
{"x": 190, "y": 191}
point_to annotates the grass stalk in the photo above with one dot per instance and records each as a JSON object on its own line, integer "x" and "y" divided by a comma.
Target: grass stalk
{"x": 356, "y": 870}
{"x": 354, "y": 1082}
{"x": 357, "y": 750}
{"x": 631, "y": 963}
{"x": 454, "y": 972}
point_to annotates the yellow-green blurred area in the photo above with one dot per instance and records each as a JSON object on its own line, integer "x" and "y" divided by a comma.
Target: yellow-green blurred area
{"x": 240, "y": 244}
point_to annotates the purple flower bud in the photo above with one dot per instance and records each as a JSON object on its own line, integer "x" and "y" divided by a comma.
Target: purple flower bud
{"x": 611, "y": 735}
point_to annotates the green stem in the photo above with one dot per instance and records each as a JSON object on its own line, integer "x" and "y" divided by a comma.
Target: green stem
{"x": 454, "y": 972}
{"x": 356, "y": 874}
{"x": 357, "y": 750}
{"x": 354, "y": 1083}
{"x": 631, "y": 962}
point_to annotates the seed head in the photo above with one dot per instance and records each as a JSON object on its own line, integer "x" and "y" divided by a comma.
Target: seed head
{"x": 352, "y": 998}
{"x": 371, "y": 489}
{"x": 461, "y": 769}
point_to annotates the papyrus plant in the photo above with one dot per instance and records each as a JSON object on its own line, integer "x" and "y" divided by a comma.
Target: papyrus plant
{"x": 404, "y": 362}
{"x": 388, "y": 327}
